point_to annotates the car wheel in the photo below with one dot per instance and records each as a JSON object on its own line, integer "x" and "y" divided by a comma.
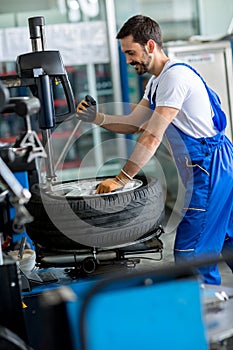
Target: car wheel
{"x": 72, "y": 215}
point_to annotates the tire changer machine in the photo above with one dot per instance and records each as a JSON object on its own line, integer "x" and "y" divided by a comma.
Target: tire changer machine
{"x": 128, "y": 310}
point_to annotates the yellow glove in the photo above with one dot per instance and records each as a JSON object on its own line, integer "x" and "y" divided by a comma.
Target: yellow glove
{"x": 110, "y": 185}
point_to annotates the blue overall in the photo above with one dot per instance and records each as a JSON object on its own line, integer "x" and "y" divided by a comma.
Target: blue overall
{"x": 205, "y": 166}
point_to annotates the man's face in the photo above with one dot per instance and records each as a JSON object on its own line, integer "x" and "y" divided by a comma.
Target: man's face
{"x": 136, "y": 55}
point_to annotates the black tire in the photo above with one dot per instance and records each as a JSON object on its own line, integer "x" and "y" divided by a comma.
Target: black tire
{"x": 95, "y": 221}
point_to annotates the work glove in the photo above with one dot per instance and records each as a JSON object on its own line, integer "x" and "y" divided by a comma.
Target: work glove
{"x": 108, "y": 185}
{"x": 111, "y": 185}
{"x": 86, "y": 109}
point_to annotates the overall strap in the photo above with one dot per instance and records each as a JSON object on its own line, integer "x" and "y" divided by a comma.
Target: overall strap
{"x": 152, "y": 100}
{"x": 219, "y": 118}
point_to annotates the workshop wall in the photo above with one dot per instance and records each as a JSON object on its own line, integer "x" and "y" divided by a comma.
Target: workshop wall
{"x": 215, "y": 18}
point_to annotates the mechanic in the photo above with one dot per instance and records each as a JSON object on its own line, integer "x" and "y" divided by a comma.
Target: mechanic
{"x": 178, "y": 103}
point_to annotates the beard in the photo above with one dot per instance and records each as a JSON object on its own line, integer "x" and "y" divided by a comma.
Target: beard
{"x": 143, "y": 66}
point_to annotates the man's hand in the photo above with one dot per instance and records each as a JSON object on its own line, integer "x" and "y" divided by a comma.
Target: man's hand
{"x": 86, "y": 109}
{"x": 108, "y": 185}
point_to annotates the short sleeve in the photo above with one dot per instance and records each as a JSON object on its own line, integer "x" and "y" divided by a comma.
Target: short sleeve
{"x": 173, "y": 88}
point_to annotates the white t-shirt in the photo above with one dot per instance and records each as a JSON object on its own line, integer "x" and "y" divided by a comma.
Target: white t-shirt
{"x": 179, "y": 87}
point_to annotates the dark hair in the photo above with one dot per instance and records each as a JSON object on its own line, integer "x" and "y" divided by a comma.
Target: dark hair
{"x": 142, "y": 29}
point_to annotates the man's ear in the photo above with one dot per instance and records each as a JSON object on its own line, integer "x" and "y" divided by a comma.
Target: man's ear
{"x": 150, "y": 45}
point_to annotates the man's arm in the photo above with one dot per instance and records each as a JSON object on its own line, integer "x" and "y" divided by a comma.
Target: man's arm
{"x": 124, "y": 124}
{"x": 150, "y": 139}
{"x": 146, "y": 146}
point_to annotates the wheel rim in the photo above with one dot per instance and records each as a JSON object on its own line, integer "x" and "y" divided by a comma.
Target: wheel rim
{"x": 87, "y": 188}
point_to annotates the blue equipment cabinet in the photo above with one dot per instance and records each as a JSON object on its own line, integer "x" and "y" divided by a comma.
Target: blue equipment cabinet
{"x": 160, "y": 316}
{"x": 145, "y": 310}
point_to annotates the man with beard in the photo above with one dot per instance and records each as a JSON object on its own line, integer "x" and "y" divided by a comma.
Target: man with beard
{"x": 177, "y": 102}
